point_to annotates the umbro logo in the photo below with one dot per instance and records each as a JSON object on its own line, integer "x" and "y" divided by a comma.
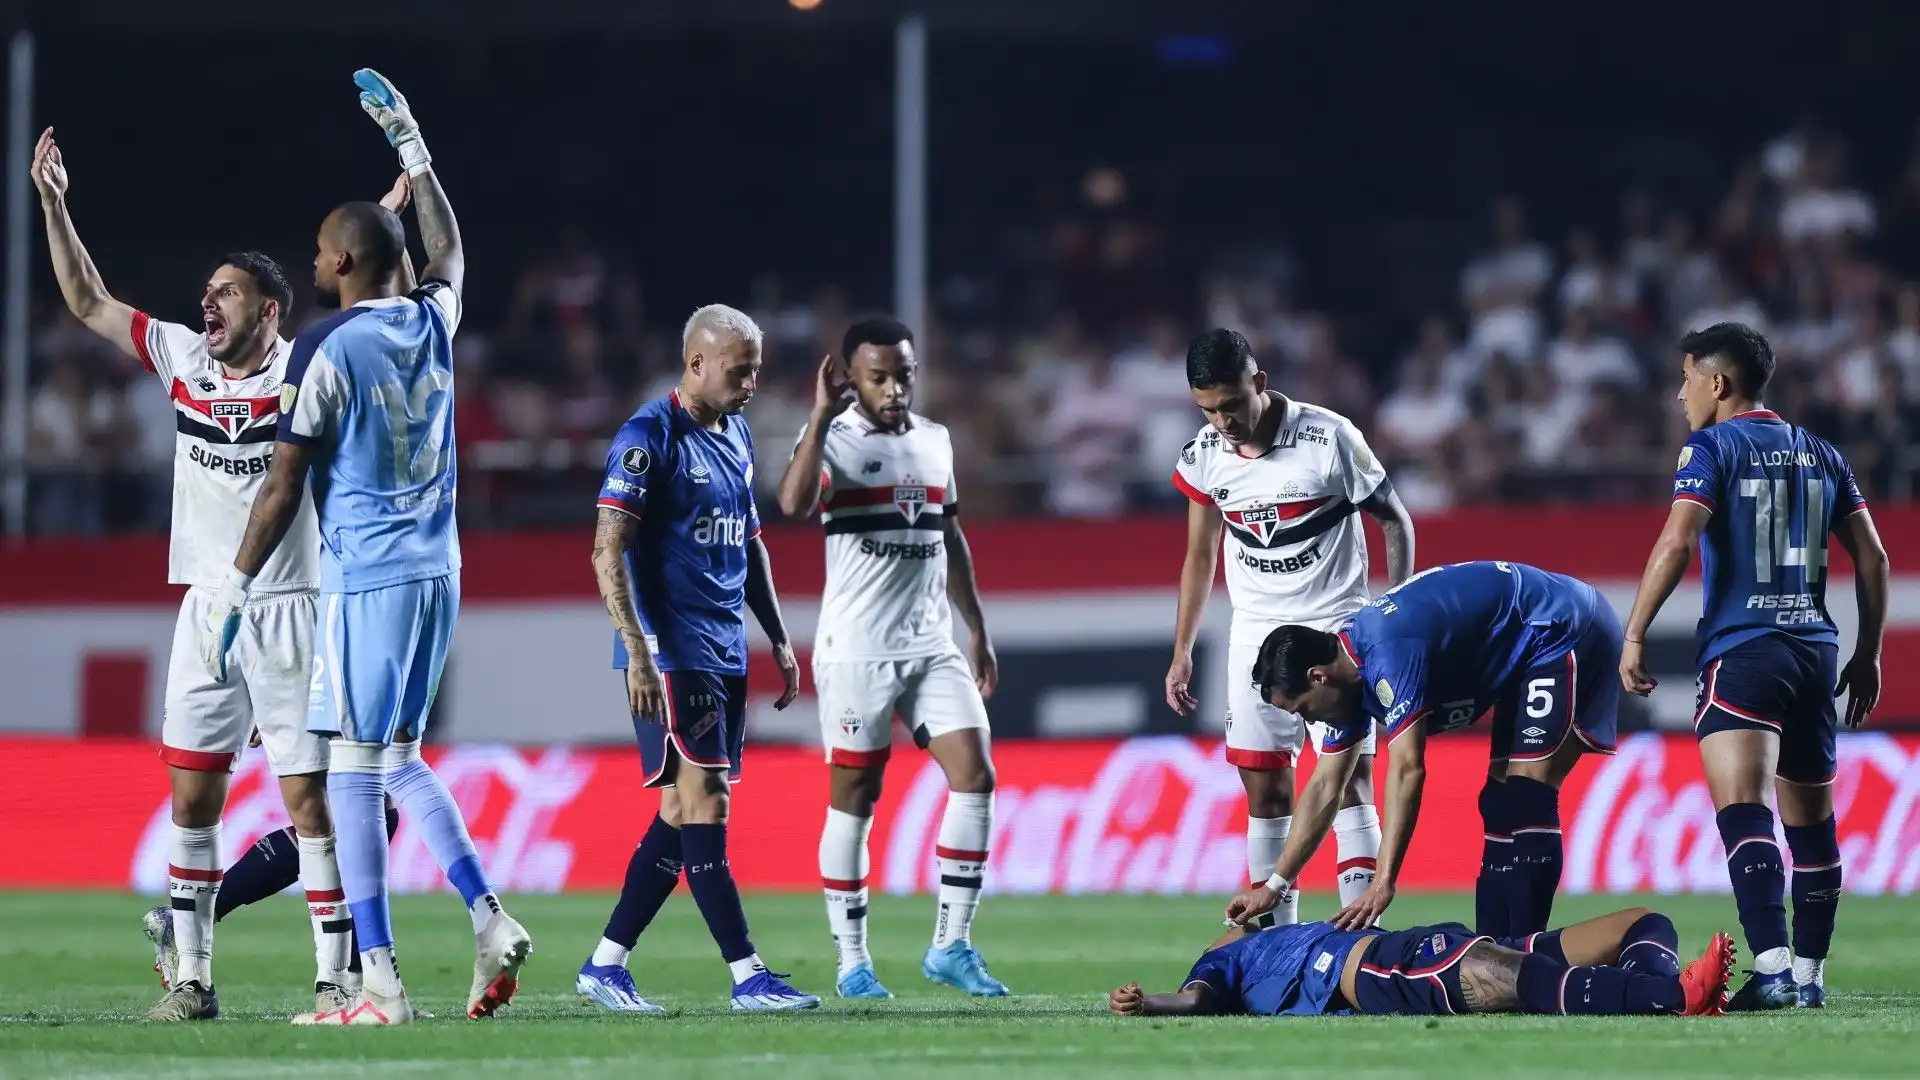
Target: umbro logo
{"x": 1534, "y": 732}
{"x": 700, "y": 474}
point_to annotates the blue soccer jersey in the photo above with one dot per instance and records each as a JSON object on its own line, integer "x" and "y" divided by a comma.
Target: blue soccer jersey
{"x": 1443, "y": 646}
{"x": 692, "y": 490}
{"x": 1281, "y": 971}
{"x": 1776, "y": 492}
{"x": 372, "y": 389}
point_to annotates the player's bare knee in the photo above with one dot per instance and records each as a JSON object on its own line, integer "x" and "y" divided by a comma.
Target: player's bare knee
{"x": 703, "y": 796}
{"x": 305, "y": 797}
{"x": 1802, "y": 805}
{"x": 974, "y": 777}
{"x": 962, "y": 756}
{"x": 1739, "y": 765}
{"x": 855, "y": 790}
{"x": 1269, "y": 792}
{"x": 198, "y": 798}
{"x": 670, "y": 807}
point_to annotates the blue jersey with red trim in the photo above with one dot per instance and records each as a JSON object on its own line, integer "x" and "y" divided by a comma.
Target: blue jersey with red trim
{"x": 1280, "y": 971}
{"x": 692, "y": 490}
{"x": 1442, "y": 646}
{"x": 1775, "y": 492}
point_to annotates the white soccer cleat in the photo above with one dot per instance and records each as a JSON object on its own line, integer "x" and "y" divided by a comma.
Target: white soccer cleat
{"x": 363, "y": 1009}
{"x": 158, "y": 924}
{"x": 500, "y": 951}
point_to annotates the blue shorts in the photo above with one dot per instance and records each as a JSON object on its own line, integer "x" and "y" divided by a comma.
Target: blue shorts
{"x": 1574, "y": 694}
{"x": 1781, "y": 684}
{"x": 377, "y": 660}
{"x": 706, "y": 725}
{"x": 1414, "y": 972}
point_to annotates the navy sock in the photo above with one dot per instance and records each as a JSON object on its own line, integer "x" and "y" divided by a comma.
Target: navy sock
{"x": 1759, "y": 878}
{"x": 1533, "y": 811}
{"x": 1491, "y": 912}
{"x": 1816, "y": 886}
{"x": 710, "y": 880}
{"x": 268, "y": 867}
{"x": 1651, "y": 947}
{"x": 652, "y": 874}
{"x": 1545, "y": 944}
{"x": 1554, "y": 989}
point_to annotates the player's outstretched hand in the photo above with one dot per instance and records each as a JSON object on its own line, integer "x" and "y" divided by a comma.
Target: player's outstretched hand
{"x": 1179, "y": 698}
{"x": 1366, "y": 908}
{"x": 48, "y": 171}
{"x": 1860, "y": 681}
{"x": 986, "y": 666}
{"x": 831, "y": 389}
{"x": 646, "y": 690}
{"x": 397, "y": 199}
{"x": 1633, "y": 669}
{"x": 1251, "y": 903}
{"x": 1128, "y": 1000}
{"x": 789, "y": 673}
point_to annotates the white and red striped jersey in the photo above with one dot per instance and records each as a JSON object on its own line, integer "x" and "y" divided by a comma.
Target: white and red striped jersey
{"x": 224, "y": 444}
{"x": 1296, "y": 551}
{"x": 884, "y": 502}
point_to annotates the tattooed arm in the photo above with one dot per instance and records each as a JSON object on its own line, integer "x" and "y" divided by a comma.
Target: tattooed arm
{"x": 614, "y": 533}
{"x": 1396, "y": 525}
{"x": 439, "y": 232}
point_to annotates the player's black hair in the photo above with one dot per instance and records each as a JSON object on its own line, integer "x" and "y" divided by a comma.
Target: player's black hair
{"x": 1218, "y": 357}
{"x": 267, "y": 276}
{"x": 1738, "y": 346}
{"x": 879, "y": 331}
{"x": 374, "y": 236}
{"x": 1286, "y": 655}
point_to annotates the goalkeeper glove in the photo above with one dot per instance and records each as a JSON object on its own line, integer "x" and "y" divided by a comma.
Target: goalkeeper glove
{"x": 222, "y": 623}
{"x": 388, "y": 107}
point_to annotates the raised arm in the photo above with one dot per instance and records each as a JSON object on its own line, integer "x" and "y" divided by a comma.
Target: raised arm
{"x": 802, "y": 483}
{"x": 80, "y": 284}
{"x": 439, "y": 232}
{"x": 1396, "y": 525}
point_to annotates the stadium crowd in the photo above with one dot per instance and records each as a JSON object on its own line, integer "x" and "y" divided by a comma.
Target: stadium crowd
{"x": 1550, "y": 380}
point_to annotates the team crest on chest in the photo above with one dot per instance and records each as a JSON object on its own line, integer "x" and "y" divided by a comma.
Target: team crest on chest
{"x": 1259, "y": 521}
{"x": 910, "y": 498}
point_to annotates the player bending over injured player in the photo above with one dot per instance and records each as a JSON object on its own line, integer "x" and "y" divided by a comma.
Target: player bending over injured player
{"x": 1623, "y": 964}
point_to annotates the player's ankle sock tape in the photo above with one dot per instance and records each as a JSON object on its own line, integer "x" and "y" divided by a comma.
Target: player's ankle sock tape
{"x": 360, "y": 846}
{"x": 1755, "y": 869}
{"x": 1816, "y": 886}
{"x": 1491, "y": 909}
{"x": 1555, "y": 989}
{"x": 434, "y": 814}
{"x": 652, "y": 874}
{"x": 1532, "y": 811}
{"x": 710, "y": 880}
{"x": 1651, "y": 946}
{"x": 268, "y": 867}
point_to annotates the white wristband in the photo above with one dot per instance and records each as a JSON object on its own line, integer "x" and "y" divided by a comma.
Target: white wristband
{"x": 413, "y": 154}
{"x": 1280, "y": 886}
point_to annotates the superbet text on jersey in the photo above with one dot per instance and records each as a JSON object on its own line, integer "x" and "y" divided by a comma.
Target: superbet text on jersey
{"x": 1296, "y": 552}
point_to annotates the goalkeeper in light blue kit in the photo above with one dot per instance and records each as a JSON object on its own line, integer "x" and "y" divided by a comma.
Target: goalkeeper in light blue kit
{"x": 368, "y": 406}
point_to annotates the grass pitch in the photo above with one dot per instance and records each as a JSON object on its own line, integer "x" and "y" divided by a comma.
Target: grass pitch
{"x": 80, "y": 980}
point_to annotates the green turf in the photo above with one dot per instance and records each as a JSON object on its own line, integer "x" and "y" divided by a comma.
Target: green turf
{"x": 79, "y": 977}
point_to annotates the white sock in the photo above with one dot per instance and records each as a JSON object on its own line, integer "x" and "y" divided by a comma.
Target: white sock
{"x": 381, "y": 970}
{"x": 326, "y": 907}
{"x": 1807, "y": 972}
{"x": 485, "y": 907}
{"x": 1266, "y": 839}
{"x": 843, "y": 871}
{"x": 1773, "y": 961}
{"x": 745, "y": 969}
{"x": 965, "y": 828}
{"x": 193, "y": 880}
{"x": 1356, "y": 832}
{"x": 610, "y": 954}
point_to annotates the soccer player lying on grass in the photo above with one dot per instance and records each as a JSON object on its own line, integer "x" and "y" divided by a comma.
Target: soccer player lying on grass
{"x": 1623, "y": 964}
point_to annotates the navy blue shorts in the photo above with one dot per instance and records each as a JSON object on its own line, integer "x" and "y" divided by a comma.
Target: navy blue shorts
{"x": 1575, "y": 694}
{"x": 1781, "y": 684}
{"x": 1414, "y": 972}
{"x": 706, "y": 725}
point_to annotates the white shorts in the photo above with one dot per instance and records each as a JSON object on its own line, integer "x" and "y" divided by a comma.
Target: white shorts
{"x": 932, "y": 695}
{"x": 207, "y": 723}
{"x": 1260, "y": 736}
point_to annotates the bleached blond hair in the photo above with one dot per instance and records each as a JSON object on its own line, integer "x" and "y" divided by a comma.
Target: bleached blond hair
{"x": 722, "y": 322}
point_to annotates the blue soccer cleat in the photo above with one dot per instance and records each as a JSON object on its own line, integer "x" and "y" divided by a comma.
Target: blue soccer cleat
{"x": 610, "y": 986}
{"x": 1813, "y": 996}
{"x": 769, "y": 992}
{"x": 1763, "y": 993}
{"x": 863, "y": 984}
{"x": 960, "y": 966}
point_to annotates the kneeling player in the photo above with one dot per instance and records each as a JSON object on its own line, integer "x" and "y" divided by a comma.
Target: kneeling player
{"x": 1623, "y": 964}
{"x": 881, "y": 478}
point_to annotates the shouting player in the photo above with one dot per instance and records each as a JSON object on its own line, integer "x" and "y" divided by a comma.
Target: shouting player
{"x": 1283, "y": 480}
{"x": 678, "y": 556}
{"x": 1623, "y": 964}
{"x": 1759, "y": 496}
{"x": 369, "y": 402}
{"x": 1430, "y": 656}
{"x": 881, "y": 478}
{"x": 225, "y": 380}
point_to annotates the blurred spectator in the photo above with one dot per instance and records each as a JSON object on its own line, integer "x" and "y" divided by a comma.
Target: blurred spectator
{"x": 1421, "y": 414}
{"x": 576, "y": 286}
{"x": 68, "y": 428}
{"x": 1819, "y": 206}
{"x": 1501, "y": 287}
{"x": 1088, "y": 433}
{"x": 1582, "y": 357}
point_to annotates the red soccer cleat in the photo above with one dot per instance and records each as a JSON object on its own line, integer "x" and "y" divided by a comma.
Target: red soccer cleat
{"x": 1704, "y": 981}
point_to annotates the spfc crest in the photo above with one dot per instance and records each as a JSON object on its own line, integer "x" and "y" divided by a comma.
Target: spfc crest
{"x": 850, "y": 723}
{"x": 232, "y": 416}
{"x": 910, "y": 499}
{"x": 1261, "y": 521}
